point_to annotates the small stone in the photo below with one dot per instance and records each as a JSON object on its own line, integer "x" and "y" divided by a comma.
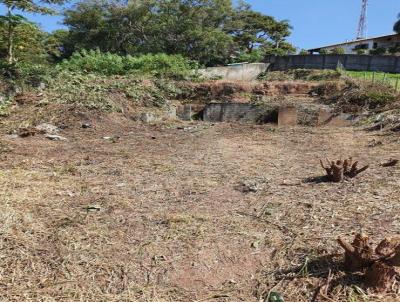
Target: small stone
{"x": 47, "y": 128}
{"x": 147, "y": 117}
{"x": 13, "y": 136}
{"x": 93, "y": 208}
{"x": 86, "y": 125}
{"x": 112, "y": 139}
{"x": 55, "y": 137}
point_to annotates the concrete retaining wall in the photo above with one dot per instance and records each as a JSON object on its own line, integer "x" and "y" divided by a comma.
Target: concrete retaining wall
{"x": 349, "y": 62}
{"x": 283, "y": 115}
{"x": 239, "y": 112}
{"x": 239, "y": 72}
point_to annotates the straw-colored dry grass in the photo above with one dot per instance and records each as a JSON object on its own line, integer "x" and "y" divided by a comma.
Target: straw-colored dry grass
{"x": 160, "y": 215}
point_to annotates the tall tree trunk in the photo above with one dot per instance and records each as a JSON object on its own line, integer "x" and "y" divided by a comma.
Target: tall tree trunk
{"x": 10, "y": 38}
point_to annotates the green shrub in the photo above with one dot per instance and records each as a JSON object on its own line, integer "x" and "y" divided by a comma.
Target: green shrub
{"x": 301, "y": 74}
{"x": 337, "y": 51}
{"x": 94, "y": 61}
{"x": 394, "y": 50}
{"x": 378, "y": 51}
{"x": 25, "y": 74}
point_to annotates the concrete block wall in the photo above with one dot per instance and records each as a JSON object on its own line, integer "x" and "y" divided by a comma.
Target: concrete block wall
{"x": 237, "y": 72}
{"x": 389, "y": 64}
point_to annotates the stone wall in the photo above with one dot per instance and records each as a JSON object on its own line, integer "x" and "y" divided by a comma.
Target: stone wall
{"x": 389, "y": 64}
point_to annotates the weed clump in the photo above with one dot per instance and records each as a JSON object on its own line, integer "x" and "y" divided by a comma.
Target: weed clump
{"x": 354, "y": 96}
{"x": 94, "y": 61}
{"x": 108, "y": 93}
{"x": 301, "y": 75}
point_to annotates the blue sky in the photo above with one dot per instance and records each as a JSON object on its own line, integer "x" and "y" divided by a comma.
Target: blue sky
{"x": 315, "y": 22}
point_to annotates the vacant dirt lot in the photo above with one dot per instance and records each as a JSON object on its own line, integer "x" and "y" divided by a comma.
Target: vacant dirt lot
{"x": 188, "y": 212}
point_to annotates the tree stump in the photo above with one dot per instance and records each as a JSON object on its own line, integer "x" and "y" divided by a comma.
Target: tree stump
{"x": 380, "y": 266}
{"x": 359, "y": 254}
{"x": 380, "y": 276}
{"x": 338, "y": 170}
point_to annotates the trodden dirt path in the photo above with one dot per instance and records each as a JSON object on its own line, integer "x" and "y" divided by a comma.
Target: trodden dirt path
{"x": 201, "y": 213}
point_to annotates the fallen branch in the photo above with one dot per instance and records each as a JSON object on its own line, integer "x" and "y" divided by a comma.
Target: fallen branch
{"x": 390, "y": 163}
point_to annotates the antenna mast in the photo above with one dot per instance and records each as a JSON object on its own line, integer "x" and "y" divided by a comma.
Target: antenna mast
{"x": 362, "y": 24}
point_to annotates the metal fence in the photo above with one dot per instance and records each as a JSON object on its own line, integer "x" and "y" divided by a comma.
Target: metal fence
{"x": 377, "y": 77}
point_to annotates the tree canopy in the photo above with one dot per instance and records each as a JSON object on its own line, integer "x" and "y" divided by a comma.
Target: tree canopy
{"x": 17, "y": 27}
{"x": 396, "y": 26}
{"x": 211, "y": 32}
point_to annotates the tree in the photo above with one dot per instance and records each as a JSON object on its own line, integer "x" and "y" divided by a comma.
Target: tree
{"x": 254, "y": 31}
{"x": 396, "y": 26}
{"x": 28, "y": 42}
{"x": 193, "y": 28}
{"x": 250, "y": 29}
{"x": 209, "y": 31}
{"x": 58, "y": 45}
{"x": 279, "y": 31}
{"x": 12, "y": 21}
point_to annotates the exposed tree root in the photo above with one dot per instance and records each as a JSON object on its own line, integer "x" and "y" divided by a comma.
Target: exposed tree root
{"x": 340, "y": 169}
{"x": 380, "y": 266}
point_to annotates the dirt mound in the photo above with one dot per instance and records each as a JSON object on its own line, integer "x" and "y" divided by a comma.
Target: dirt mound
{"x": 237, "y": 91}
{"x": 355, "y": 96}
{"x": 284, "y": 88}
{"x": 27, "y": 111}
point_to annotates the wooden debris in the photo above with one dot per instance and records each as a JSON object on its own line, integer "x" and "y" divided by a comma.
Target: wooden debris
{"x": 390, "y": 163}
{"x": 380, "y": 266}
{"x": 338, "y": 170}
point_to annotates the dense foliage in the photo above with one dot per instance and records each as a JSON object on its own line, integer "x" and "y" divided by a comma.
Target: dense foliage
{"x": 210, "y": 32}
{"x": 16, "y": 28}
{"x": 94, "y": 61}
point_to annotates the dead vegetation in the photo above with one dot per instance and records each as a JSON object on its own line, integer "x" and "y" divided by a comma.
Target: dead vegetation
{"x": 357, "y": 96}
{"x": 176, "y": 211}
{"x": 158, "y": 214}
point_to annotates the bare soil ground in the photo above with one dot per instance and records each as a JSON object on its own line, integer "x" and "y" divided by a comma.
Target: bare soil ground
{"x": 189, "y": 212}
